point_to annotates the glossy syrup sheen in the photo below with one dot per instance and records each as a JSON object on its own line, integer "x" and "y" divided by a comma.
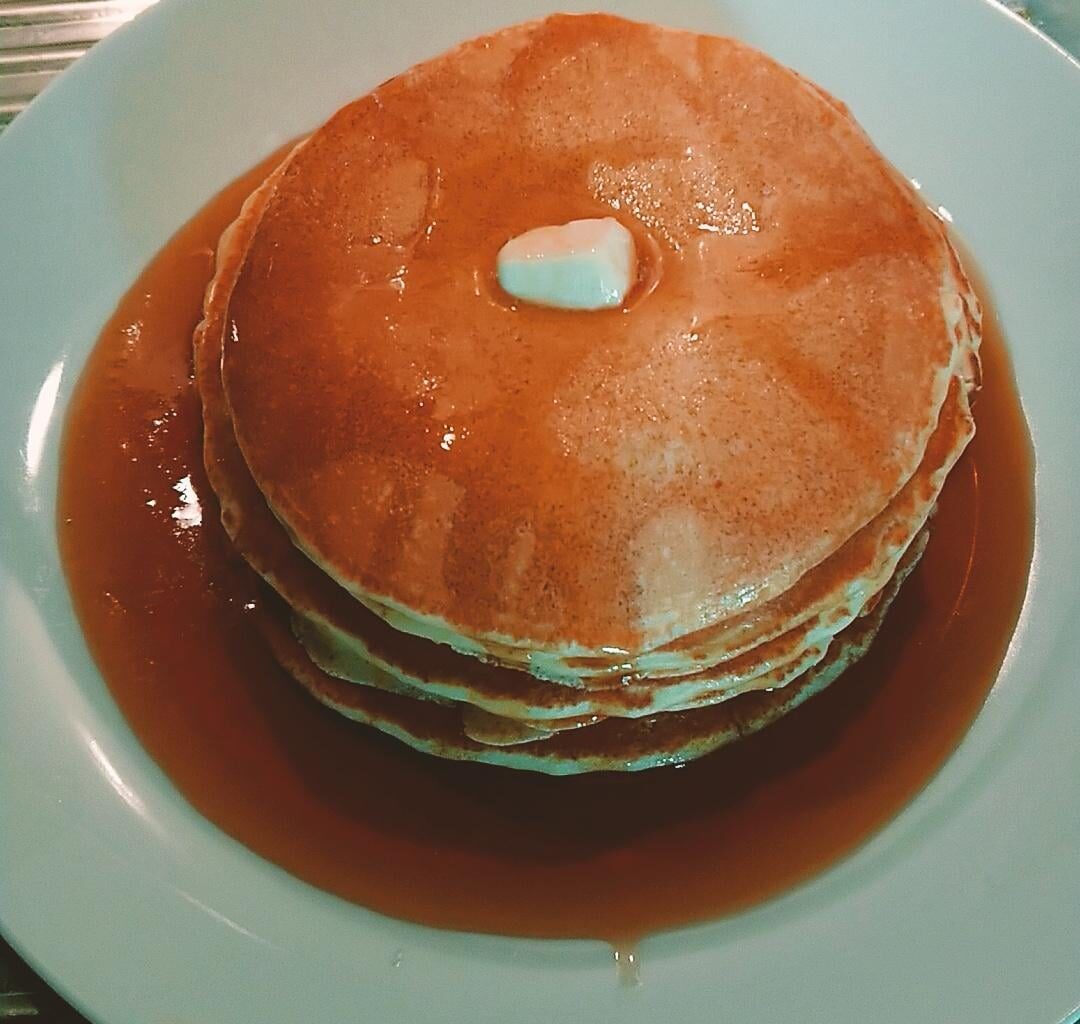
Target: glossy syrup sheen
{"x": 558, "y": 479}
{"x": 166, "y": 608}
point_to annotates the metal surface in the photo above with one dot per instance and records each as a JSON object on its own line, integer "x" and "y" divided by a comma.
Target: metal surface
{"x": 24, "y": 997}
{"x": 39, "y": 39}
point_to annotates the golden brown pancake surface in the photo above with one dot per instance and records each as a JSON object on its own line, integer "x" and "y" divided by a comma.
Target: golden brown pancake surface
{"x": 589, "y": 480}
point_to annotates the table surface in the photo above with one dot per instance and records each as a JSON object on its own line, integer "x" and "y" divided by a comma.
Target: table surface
{"x": 38, "y": 40}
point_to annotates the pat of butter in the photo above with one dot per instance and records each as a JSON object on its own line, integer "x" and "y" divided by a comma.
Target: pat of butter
{"x": 585, "y": 264}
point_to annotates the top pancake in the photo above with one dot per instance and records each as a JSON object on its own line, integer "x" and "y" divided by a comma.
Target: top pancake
{"x": 580, "y": 481}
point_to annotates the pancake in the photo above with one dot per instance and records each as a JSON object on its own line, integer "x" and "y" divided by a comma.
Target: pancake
{"x": 611, "y": 745}
{"x": 371, "y": 649}
{"x": 481, "y": 472}
{"x": 513, "y": 534}
{"x": 824, "y": 601}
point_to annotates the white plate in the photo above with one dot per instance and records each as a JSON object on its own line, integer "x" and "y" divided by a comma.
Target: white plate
{"x": 965, "y": 909}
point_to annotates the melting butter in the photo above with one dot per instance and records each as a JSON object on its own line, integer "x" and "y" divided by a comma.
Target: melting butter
{"x": 585, "y": 264}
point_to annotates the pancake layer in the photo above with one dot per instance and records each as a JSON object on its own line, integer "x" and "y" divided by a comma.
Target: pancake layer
{"x": 507, "y": 533}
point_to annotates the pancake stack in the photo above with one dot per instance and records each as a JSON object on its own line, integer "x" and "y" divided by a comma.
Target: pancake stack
{"x": 574, "y": 541}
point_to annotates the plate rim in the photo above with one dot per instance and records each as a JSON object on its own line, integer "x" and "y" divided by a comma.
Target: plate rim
{"x": 154, "y": 24}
